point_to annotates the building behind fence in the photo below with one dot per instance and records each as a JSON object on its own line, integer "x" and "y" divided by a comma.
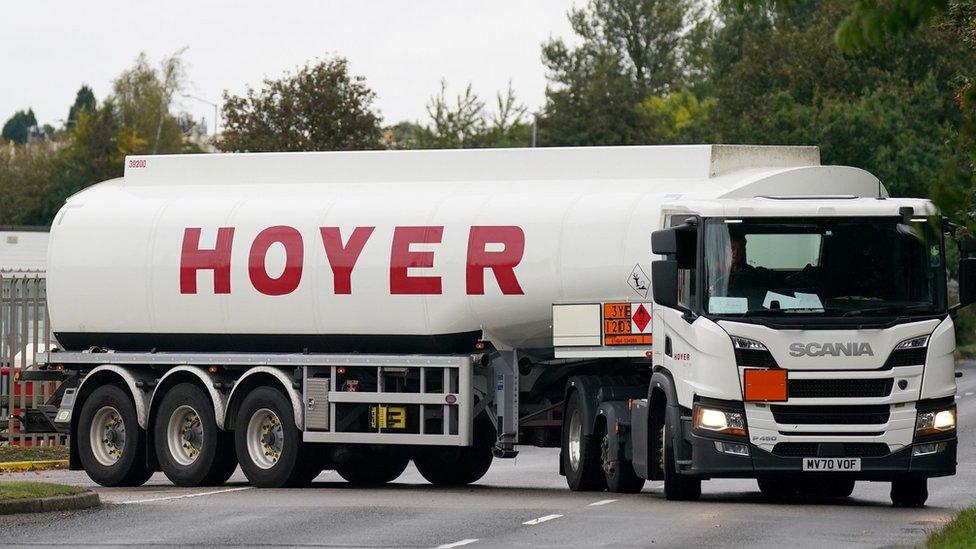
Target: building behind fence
{"x": 24, "y": 332}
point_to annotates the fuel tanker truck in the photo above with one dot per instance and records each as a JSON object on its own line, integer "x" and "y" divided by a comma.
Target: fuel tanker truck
{"x": 675, "y": 313}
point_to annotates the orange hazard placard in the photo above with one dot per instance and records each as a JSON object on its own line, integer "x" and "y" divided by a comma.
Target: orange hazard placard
{"x": 626, "y": 324}
{"x": 765, "y": 385}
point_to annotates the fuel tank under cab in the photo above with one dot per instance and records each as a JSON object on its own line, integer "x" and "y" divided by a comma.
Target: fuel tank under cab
{"x": 387, "y": 251}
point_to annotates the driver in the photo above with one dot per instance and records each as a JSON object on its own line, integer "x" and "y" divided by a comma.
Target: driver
{"x": 734, "y": 277}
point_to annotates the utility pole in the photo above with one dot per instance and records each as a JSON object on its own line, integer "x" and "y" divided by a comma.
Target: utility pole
{"x": 212, "y": 104}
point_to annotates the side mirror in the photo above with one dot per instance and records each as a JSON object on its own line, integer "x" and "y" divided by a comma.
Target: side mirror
{"x": 967, "y": 281}
{"x": 664, "y": 242}
{"x": 664, "y": 282}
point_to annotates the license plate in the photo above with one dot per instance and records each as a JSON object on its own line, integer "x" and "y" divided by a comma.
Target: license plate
{"x": 831, "y": 464}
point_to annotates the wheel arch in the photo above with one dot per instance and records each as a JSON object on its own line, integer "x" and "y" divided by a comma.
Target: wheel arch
{"x": 107, "y": 374}
{"x": 663, "y": 395}
{"x": 263, "y": 376}
{"x": 188, "y": 374}
{"x": 110, "y": 373}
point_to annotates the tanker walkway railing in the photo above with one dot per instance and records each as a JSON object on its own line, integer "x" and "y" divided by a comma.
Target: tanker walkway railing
{"x": 24, "y": 332}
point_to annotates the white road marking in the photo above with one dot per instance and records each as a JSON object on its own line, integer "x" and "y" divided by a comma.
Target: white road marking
{"x": 969, "y": 394}
{"x": 601, "y": 502}
{"x": 184, "y": 496}
{"x": 457, "y": 543}
{"x": 540, "y": 520}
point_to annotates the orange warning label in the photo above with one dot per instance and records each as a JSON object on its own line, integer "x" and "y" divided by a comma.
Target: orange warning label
{"x": 626, "y": 324}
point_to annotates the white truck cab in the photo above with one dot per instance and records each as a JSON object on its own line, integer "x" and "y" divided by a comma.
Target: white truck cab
{"x": 805, "y": 340}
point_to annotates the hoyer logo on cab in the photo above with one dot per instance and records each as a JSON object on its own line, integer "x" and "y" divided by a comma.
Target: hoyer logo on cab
{"x": 343, "y": 257}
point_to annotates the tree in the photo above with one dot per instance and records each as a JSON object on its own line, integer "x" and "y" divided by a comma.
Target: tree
{"x": 84, "y": 102}
{"x": 19, "y": 126}
{"x": 143, "y": 101}
{"x": 25, "y": 173}
{"x": 779, "y": 78}
{"x": 678, "y": 117}
{"x": 466, "y": 123}
{"x": 629, "y": 50}
{"x": 321, "y": 107}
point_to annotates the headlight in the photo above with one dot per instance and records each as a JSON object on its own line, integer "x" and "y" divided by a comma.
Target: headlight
{"x": 933, "y": 423}
{"x": 747, "y": 344}
{"x": 720, "y": 421}
{"x": 913, "y": 343}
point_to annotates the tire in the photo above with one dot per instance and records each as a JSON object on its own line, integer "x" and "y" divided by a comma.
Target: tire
{"x": 111, "y": 445}
{"x": 580, "y": 453}
{"x": 459, "y": 466}
{"x": 373, "y": 469}
{"x": 190, "y": 448}
{"x": 269, "y": 445}
{"x": 619, "y": 474}
{"x": 677, "y": 487}
{"x": 909, "y": 492}
{"x": 778, "y": 487}
{"x": 835, "y": 488}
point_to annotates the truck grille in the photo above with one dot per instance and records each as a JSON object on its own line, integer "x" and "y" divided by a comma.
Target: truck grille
{"x": 840, "y": 388}
{"x": 845, "y": 449}
{"x": 871, "y": 414}
{"x": 906, "y": 357}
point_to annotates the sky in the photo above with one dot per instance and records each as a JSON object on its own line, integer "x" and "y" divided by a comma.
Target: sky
{"x": 403, "y": 48}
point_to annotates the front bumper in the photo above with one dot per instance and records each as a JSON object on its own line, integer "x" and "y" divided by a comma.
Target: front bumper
{"x": 708, "y": 462}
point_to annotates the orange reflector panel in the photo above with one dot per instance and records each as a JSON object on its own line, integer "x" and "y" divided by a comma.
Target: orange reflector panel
{"x": 627, "y": 339}
{"x": 765, "y": 386}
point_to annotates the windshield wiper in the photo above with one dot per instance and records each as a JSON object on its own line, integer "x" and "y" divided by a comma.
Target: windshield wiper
{"x": 773, "y": 312}
{"x": 887, "y": 309}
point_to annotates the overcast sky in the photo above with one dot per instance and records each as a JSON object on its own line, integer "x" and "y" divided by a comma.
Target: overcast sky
{"x": 403, "y": 48}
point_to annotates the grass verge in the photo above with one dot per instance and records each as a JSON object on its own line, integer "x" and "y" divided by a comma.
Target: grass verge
{"x": 27, "y": 490}
{"x": 959, "y": 532}
{"x": 32, "y": 453}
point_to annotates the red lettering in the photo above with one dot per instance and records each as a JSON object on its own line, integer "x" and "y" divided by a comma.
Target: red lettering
{"x": 193, "y": 259}
{"x": 502, "y": 263}
{"x": 285, "y": 283}
{"x": 343, "y": 258}
{"x": 401, "y": 259}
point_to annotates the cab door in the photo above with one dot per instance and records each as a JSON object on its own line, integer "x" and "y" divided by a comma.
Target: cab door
{"x": 674, "y": 336}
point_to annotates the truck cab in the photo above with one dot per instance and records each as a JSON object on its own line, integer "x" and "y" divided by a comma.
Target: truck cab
{"x": 806, "y": 342}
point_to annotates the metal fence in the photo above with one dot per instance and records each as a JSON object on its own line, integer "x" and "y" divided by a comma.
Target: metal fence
{"x": 24, "y": 332}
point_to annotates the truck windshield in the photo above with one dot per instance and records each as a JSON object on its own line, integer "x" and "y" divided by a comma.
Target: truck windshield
{"x": 823, "y": 266}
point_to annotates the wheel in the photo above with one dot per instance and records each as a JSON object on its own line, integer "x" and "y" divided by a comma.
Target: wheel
{"x": 834, "y": 488}
{"x": 677, "y": 487}
{"x": 191, "y": 450}
{"x": 909, "y": 491}
{"x": 453, "y": 466}
{"x": 111, "y": 445}
{"x": 372, "y": 468}
{"x": 778, "y": 487}
{"x": 580, "y": 453}
{"x": 269, "y": 445}
{"x": 619, "y": 474}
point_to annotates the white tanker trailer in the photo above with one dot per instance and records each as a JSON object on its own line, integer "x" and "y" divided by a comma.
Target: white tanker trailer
{"x": 297, "y": 312}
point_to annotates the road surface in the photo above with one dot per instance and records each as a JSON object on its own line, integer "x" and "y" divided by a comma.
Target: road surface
{"x": 519, "y": 503}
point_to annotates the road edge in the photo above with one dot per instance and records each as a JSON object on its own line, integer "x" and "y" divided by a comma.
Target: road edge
{"x": 25, "y": 466}
{"x": 84, "y": 500}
